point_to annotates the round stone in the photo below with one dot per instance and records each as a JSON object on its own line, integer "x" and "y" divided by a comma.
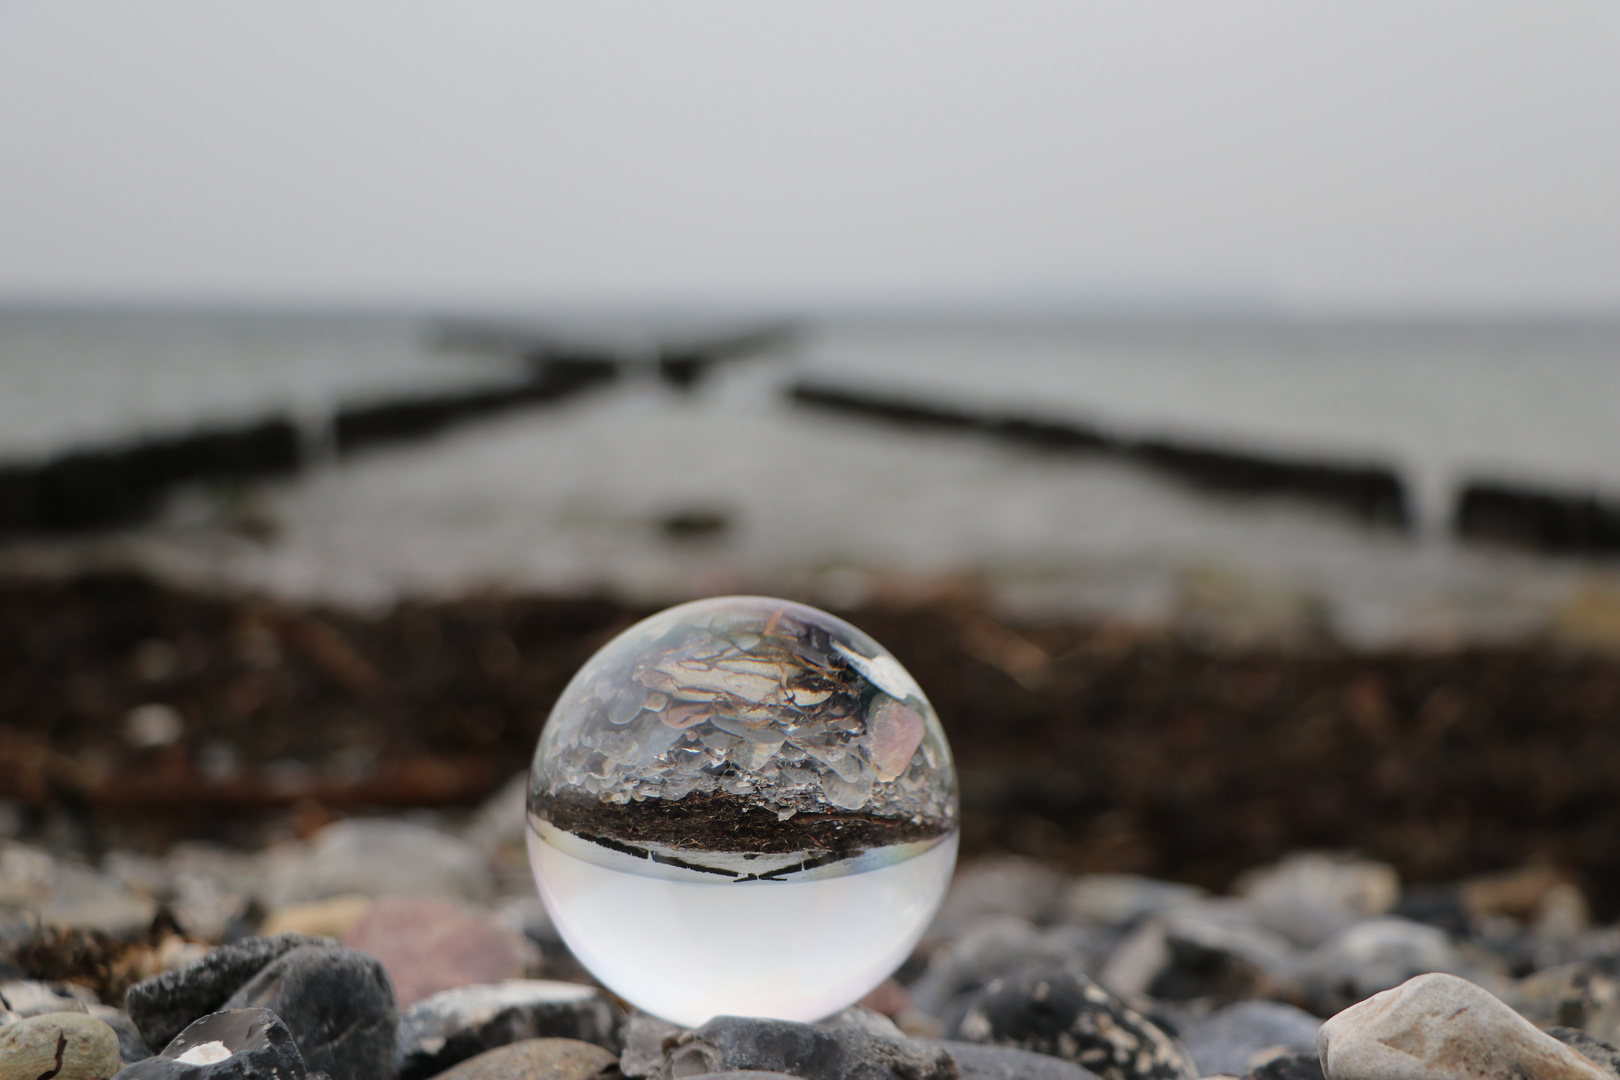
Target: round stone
{"x": 742, "y": 806}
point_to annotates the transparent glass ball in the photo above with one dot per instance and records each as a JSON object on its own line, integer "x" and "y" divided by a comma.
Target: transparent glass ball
{"x": 742, "y": 806}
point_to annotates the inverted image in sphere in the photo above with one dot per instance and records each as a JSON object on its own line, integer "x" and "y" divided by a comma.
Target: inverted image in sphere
{"x": 742, "y": 806}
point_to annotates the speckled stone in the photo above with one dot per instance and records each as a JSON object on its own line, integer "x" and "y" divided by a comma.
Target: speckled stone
{"x": 62, "y": 1046}
{"x": 1060, "y": 1012}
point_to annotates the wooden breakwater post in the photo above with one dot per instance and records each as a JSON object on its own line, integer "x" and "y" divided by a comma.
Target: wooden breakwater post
{"x": 1537, "y": 519}
{"x": 1368, "y": 491}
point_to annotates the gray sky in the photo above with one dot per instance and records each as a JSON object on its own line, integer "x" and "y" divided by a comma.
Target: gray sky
{"x": 1412, "y": 155}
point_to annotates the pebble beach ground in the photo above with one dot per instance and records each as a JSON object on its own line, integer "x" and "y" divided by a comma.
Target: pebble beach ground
{"x": 251, "y": 840}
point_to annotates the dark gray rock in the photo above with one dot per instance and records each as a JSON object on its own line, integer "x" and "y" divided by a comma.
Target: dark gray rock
{"x": 339, "y": 1005}
{"x": 734, "y": 1043}
{"x": 536, "y": 1059}
{"x": 976, "y": 1062}
{"x": 239, "y": 1044}
{"x": 1060, "y": 1012}
{"x": 1290, "y": 1067}
{"x": 1596, "y": 1051}
{"x": 1225, "y": 1041}
{"x": 164, "y": 1004}
{"x": 454, "y": 1025}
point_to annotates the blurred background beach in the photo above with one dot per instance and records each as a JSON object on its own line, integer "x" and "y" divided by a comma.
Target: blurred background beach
{"x": 1226, "y": 334}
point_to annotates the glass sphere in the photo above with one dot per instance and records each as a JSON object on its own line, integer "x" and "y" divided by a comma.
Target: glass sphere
{"x": 742, "y": 806}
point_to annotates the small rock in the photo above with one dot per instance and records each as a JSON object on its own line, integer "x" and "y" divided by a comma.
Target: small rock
{"x": 1062, "y": 1013}
{"x": 1226, "y": 1041}
{"x": 1120, "y": 899}
{"x": 430, "y": 944}
{"x": 454, "y": 1025}
{"x": 745, "y": 1074}
{"x": 67, "y": 894}
{"x": 536, "y": 1059}
{"x": 1008, "y": 885}
{"x": 1289, "y": 1067}
{"x": 1309, "y": 897}
{"x": 976, "y": 1062}
{"x": 58, "y": 1046}
{"x": 1377, "y": 955}
{"x": 999, "y": 945}
{"x": 380, "y": 857}
{"x": 1572, "y": 996}
{"x": 338, "y": 1004}
{"x": 1598, "y": 1052}
{"x": 1439, "y": 1027}
{"x": 333, "y": 918}
{"x": 29, "y": 998}
{"x": 163, "y": 1005}
{"x": 732, "y": 1043}
{"x": 644, "y": 1037}
{"x": 240, "y": 1044}
{"x": 1212, "y": 949}
{"x": 131, "y": 1046}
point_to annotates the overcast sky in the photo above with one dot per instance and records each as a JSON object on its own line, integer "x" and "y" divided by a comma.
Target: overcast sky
{"x": 1411, "y": 155}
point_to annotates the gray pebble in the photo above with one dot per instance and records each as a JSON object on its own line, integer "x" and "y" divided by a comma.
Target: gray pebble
{"x": 977, "y": 1062}
{"x": 454, "y": 1025}
{"x": 732, "y": 1043}
{"x": 239, "y": 1044}
{"x": 1226, "y": 1040}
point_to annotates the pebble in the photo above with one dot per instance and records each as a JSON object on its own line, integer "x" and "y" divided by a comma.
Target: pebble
{"x": 1008, "y": 885}
{"x": 1311, "y": 896}
{"x": 338, "y": 1004}
{"x": 58, "y": 1046}
{"x": 239, "y": 1044}
{"x": 999, "y": 945}
{"x": 1213, "y": 948}
{"x": 163, "y": 1005}
{"x": 1574, "y": 995}
{"x": 1122, "y": 899}
{"x": 454, "y": 1025}
{"x": 1439, "y": 1027}
{"x": 131, "y": 1045}
{"x": 1062, "y": 1013}
{"x": 65, "y": 893}
{"x": 731, "y": 1043}
{"x": 1226, "y": 1041}
{"x": 1289, "y": 1067}
{"x": 26, "y": 997}
{"x": 1377, "y": 955}
{"x": 536, "y": 1059}
{"x": 429, "y": 944}
{"x": 1597, "y": 1051}
{"x": 644, "y": 1037}
{"x": 332, "y": 918}
{"x": 975, "y": 1062}
{"x": 380, "y": 857}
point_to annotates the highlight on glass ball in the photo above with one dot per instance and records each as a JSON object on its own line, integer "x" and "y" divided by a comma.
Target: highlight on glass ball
{"x": 742, "y": 806}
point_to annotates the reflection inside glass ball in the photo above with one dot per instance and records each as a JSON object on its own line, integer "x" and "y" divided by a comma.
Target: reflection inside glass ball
{"x": 742, "y": 806}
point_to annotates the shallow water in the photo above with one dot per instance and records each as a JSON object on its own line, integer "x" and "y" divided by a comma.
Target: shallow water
{"x": 831, "y": 508}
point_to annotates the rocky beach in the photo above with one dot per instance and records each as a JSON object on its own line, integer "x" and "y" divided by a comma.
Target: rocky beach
{"x": 247, "y": 837}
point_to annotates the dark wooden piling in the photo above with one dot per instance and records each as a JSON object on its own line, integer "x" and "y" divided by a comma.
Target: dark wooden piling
{"x": 1537, "y": 519}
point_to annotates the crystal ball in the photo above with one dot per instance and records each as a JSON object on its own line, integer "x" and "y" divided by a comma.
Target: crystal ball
{"x": 742, "y": 806}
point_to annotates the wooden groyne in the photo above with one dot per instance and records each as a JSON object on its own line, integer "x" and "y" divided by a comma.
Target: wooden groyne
{"x": 1370, "y": 492}
{"x": 1537, "y": 519}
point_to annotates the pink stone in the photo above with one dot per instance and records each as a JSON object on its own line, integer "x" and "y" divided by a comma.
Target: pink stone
{"x": 430, "y": 944}
{"x": 897, "y": 730}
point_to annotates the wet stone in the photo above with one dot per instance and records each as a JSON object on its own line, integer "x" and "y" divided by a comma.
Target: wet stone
{"x": 1062, "y": 1013}
{"x": 164, "y": 1004}
{"x": 238, "y": 1044}
{"x": 455, "y": 1025}
{"x": 338, "y": 1004}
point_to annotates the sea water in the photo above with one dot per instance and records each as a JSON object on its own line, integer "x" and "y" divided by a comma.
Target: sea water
{"x": 687, "y": 951}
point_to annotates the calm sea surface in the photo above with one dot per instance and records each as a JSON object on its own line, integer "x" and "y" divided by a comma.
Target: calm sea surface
{"x": 830, "y": 507}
